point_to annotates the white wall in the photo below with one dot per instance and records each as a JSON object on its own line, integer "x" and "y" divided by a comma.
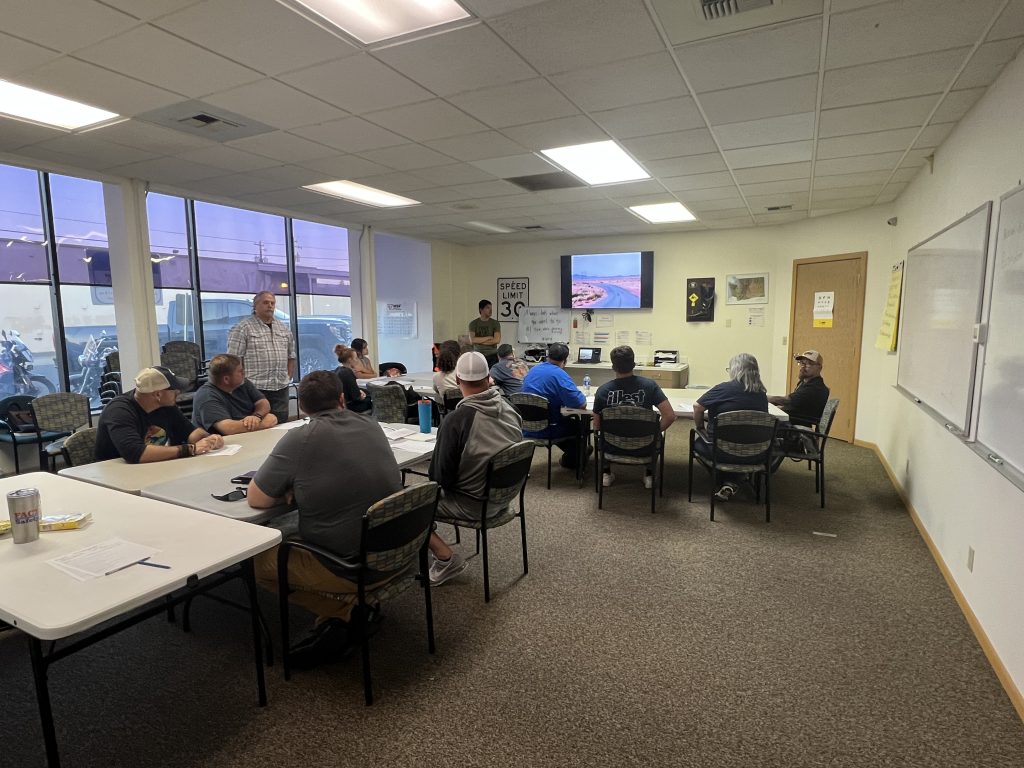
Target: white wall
{"x": 403, "y": 268}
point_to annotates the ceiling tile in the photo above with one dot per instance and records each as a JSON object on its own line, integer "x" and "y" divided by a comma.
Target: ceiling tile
{"x": 768, "y": 130}
{"x": 528, "y": 101}
{"x": 15, "y": 134}
{"x": 621, "y": 83}
{"x": 282, "y": 198}
{"x": 227, "y": 158}
{"x": 956, "y": 104}
{"x": 148, "y": 9}
{"x": 886, "y": 80}
{"x": 167, "y": 170}
{"x": 865, "y": 118}
{"x": 437, "y": 195}
{"x": 63, "y": 26}
{"x": 344, "y": 167}
{"x": 515, "y": 165}
{"x": 709, "y": 193}
{"x": 727, "y": 214}
{"x": 845, "y": 204}
{"x": 906, "y": 28}
{"x": 676, "y": 144}
{"x": 486, "y": 188}
{"x": 647, "y": 119}
{"x": 866, "y": 178}
{"x": 772, "y": 53}
{"x": 1009, "y": 24}
{"x": 891, "y": 192}
{"x": 772, "y": 154}
{"x": 697, "y": 181}
{"x": 934, "y": 135}
{"x": 283, "y": 146}
{"x": 166, "y": 61}
{"x": 87, "y": 150}
{"x": 773, "y": 173}
{"x": 882, "y": 162}
{"x": 265, "y": 36}
{"x": 988, "y": 62}
{"x": 866, "y": 143}
{"x": 274, "y": 104}
{"x": 447, "y": 175}
{"x": 357, "y": 84}
{"x": 841, "y": 193}
{"x": 150, "y": 138}
{"x": 435, "y": 119}
{"x": 562, "y": 132}
{"x": 732, "y": 202}
{"x": 18, "y": 55}
{"x": 759, "y": 203}
{"x": 350, "y": 134}
{"x": 396, "y": 182}
{"x": 406, "y": 157}
{"x": 487, "y": 9}
{"x": 290, "y": 175}
{"x": 685, "y": 166}
{"x": 776, "y": 187}
{"x": 751, "y": 102}
{"x": 570, "y": 34}
{"x": 460, "y": 60}
{"x": 476, "y": 146}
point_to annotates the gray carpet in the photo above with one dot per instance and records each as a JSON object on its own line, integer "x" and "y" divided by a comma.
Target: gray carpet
{"x": 636, "y": 639}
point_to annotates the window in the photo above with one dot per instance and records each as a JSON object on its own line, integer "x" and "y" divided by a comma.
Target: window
{"x": 172, "y": 272}
{"x": 323, "y": 293}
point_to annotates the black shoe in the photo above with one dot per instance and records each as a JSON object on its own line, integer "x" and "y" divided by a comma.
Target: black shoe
{"x": 329, "y": 641}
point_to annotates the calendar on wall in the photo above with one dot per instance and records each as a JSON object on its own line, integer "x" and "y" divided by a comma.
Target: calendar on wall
{"x": 396, "y": 319}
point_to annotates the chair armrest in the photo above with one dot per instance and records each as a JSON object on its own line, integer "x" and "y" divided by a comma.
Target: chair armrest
{"x": 293, "y": 542}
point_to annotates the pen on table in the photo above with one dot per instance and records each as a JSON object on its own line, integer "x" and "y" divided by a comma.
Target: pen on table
{"x": 144, "y": 561}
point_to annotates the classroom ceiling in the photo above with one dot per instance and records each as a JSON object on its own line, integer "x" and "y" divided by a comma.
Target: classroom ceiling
{"x": 802, "y": 108}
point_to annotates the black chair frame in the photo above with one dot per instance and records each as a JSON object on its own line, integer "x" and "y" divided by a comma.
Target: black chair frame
{"x": 625, "y": 425}
{"x": 818, "y": 437}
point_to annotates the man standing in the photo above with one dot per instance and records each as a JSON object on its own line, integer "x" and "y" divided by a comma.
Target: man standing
{"x": 549, "y": 380}
{"x": 805, "y": 403}
{"x": 303, "y": 469}
{"x": 482, "y": 424}
{"x": 267, "y": 349}
{"x": 502, "y": 374}
{"x": 228, "y": 403}
{"x": 145, "y": 424}
{"x": 485, "y": 332}
{"x": 627, "y": 389}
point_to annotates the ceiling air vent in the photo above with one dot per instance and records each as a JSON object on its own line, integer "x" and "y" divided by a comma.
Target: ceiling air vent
{"x": 539, "y": 182}
{"x": 201, "y": 119}
{"x": 779, "y": 208}
{"x": 720, "y": 9}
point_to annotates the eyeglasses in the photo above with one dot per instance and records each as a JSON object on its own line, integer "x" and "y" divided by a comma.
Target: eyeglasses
{"x": 236, "y": 495}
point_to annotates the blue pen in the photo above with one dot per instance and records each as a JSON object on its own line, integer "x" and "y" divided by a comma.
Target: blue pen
{"x": 154, "y": 565}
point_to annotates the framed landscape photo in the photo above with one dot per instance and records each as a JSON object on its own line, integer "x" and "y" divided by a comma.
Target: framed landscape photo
{"x": 747, "y": 289}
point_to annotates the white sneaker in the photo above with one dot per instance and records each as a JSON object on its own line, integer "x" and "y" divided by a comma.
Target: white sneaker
{"x": 443, "y": 570}
{"x": 607, "y": 479}
{"x": 648, "y": 482}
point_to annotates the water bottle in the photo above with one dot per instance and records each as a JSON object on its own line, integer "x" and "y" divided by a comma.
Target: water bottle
{"x": 586, "y": 385}
{"x": 424, "y": 412}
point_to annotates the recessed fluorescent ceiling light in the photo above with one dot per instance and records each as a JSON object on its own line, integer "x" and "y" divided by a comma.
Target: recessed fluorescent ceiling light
{"x": 371, "y": 21}
{"x": 602, "y": 162}
{"x": 360, "y": 193}
{"x": 485, "y": 226}
{"x": 662, "y": 213}
{"x": 38, "y": 107}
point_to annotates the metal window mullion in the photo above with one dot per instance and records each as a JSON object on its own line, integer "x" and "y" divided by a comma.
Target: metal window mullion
{"x": 289, "y": 249}
{"x": 193, "y": 261}
{"x": 56, "y": 306}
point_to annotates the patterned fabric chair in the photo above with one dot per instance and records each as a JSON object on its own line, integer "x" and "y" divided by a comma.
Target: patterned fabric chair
{"x": 506, "y": 478}
{"x": 392, "y": 557}
{"x": 534, "y": 411}
{"x": 450, "y": 398}
{"x": 80, "y": 448}
{"x": 630, "y": 435}
{"x": 389, "y": 403}
{"x": 58, "y": 414}
{"x": 18, "y": 427}
{"x": 806, "y": 444}
{"x": 741, "y": 443}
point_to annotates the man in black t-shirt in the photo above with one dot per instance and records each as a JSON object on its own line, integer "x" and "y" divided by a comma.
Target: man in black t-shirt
{"x": 145, "y": 424}
{"x": 230, "y": 404}
{"x": 628, "y": 389}
{"x": 805, "y": 403}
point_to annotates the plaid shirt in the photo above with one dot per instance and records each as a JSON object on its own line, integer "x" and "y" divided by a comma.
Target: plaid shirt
{"x": 265, "y": 351}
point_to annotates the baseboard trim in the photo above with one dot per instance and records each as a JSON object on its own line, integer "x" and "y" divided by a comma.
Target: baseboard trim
{"x": 1016, "y": 697}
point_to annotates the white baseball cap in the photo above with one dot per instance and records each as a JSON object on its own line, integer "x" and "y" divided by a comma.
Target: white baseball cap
{"x": 472, "y": 366}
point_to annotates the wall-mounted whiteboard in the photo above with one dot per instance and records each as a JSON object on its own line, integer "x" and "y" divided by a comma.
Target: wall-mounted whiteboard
{"x": 544, "y": 325}
{"x": 942, "y": 299}
{"x": 1001, "y": 413}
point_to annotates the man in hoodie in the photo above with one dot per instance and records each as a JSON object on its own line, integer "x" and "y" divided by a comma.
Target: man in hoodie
{"x": 481, "y": 425}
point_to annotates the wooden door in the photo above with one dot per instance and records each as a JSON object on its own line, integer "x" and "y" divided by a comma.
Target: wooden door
{"x": 839, "y": 345}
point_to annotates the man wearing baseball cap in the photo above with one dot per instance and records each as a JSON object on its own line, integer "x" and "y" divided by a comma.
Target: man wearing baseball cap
{"x": 482, "y": 424}
{"x": 145, "y": 424}
{"x": 805, "y": 403}
{"x": 502, "y": 375}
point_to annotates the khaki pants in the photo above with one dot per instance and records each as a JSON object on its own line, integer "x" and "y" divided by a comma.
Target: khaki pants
{"x": 315, "y": 587}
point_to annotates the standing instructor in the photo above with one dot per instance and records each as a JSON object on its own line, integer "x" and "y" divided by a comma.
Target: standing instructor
{"x": 485, "y": 333}
{"x": 267, "y": 349}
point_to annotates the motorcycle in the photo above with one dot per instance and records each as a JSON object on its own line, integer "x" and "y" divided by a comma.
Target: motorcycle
{"x": 93, "y": 361}
{"x": 16, "y": 368}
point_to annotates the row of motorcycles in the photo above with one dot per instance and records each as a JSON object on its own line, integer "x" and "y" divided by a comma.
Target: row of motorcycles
{"x": 16, "y": 364}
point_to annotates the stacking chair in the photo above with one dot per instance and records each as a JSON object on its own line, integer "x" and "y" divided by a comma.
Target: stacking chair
{"x": 17, "y": 426}
{"x": 389, "y": 403}
{"x": 741, "y": 443}
{"x": 56, "y": 416}
{"x": 534, "y": 411}
{"x": 809, "y": 444}
{"x": 506, "y": 478}
{"x": 185, "y": 365}
{"x": 110, "y": 386}
{"x": 383, "y": 368}
{"x": 633, "y": 429}
{"x": 392, "y": 557}
{"x": 451, "y": 398}
{"x": 80, "y": 447}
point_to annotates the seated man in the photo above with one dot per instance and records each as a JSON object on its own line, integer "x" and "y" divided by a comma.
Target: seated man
{"x": 550, "y": 380}
{"x": 502, "y": 375}
{"x": 303, "y": 469}
{"x": 628, "y": 389}
{"x": 804, "y": 404}
{"x": 229, "y": 403}
{"x": 482, "y": 424}
{"x": 145, "y": 424}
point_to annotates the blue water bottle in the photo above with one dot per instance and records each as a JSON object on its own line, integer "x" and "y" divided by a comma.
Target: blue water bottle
{"x": 586, "y": 385}
{"x": 423, "y": 407}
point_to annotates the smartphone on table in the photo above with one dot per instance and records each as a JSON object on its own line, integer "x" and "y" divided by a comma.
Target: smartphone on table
{"x": 244, "y": 479}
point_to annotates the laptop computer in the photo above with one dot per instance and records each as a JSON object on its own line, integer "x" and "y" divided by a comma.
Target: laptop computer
{"x": 589, "y": 355}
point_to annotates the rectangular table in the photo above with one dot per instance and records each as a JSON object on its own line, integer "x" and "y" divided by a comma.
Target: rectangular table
{"x": 47, "y": 604}
{"x": 682, "y": 401}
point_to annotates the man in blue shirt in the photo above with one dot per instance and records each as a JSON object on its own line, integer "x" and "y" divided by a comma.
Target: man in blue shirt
{"x": 549, "y": 380}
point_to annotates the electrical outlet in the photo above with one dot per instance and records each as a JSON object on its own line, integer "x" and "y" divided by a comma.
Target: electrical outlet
{"x": 970, "y": 559}
{"x": 728, "y": 323}
{"x": 785, "y": 341}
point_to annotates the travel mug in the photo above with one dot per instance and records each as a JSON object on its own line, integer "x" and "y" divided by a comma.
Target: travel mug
{"x": 24, "y": 508}
{"x": 425, "y": 418}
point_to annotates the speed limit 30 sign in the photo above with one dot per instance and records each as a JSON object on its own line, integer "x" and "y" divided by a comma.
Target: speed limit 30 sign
{"x": 513, "y": 294}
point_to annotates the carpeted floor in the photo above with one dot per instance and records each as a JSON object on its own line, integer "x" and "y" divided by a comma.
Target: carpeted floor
{"x": 636, "y": 640}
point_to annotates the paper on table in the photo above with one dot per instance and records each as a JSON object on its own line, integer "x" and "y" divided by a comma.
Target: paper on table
{"x": 292, "y": 424}
{"x": 422, "y": 437}
{"x": 396, "y": 433}
{"x": 102, "y": 558}
{"x": 226, "y": 450}
{"x": 411, "y": 446}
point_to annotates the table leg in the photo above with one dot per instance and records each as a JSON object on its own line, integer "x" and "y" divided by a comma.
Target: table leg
{"x": 249, "y": 576}
{"x": 35, "y": 648}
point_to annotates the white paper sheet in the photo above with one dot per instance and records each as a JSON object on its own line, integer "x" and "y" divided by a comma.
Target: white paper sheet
{"x": 102, "y": 559}
{"x": 225, "y": 450}
{"x": 292, "y": 424}
{"x": 396, "y": 433}
{"x": 411, "y": 446}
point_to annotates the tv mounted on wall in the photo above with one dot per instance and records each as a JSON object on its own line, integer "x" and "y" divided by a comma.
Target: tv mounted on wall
{"x": 608, "y": 280}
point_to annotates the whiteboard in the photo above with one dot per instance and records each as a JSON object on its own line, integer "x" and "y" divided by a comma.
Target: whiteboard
{"x": 943, "y": 285}
{"x": 1001, "y": 413}
{"x": 544, "y": 325}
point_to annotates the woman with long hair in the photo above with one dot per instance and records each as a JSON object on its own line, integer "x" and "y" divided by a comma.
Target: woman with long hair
{"x": 364, "y": 366}
{"x": 446, "y": 360}
{"x": 355, "y": 398}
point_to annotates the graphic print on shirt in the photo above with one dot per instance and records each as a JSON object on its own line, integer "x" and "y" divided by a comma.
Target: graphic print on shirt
{"x": 156, "y": 435}
{"x": 620, "y": 397}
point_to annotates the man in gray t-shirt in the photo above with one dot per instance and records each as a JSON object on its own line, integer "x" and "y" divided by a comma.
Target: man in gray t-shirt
{"x": 229, "y": 404}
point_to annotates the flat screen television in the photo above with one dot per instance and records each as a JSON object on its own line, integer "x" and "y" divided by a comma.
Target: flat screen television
{"x": 608, "y": 280}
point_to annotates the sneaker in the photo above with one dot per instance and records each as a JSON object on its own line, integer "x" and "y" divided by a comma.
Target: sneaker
{"x": 329, "y": 641}
{"x": 607, "y": 479}
{"x": 726, "y": 492}
{"x": 444, "y": 570}
{"x": 648, "y": 482}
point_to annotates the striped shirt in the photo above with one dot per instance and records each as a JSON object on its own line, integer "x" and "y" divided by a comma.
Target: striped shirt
{"x": 265, "y": 351}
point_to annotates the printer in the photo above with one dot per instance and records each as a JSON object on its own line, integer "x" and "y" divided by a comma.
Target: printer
{"x": 666, "y": 356}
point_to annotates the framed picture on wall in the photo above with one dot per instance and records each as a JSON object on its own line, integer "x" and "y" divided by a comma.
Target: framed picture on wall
{"x": 747, "y": 289}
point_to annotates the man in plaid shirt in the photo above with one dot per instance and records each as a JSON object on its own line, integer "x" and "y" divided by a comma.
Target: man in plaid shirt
{"x": 267, "y": 349}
